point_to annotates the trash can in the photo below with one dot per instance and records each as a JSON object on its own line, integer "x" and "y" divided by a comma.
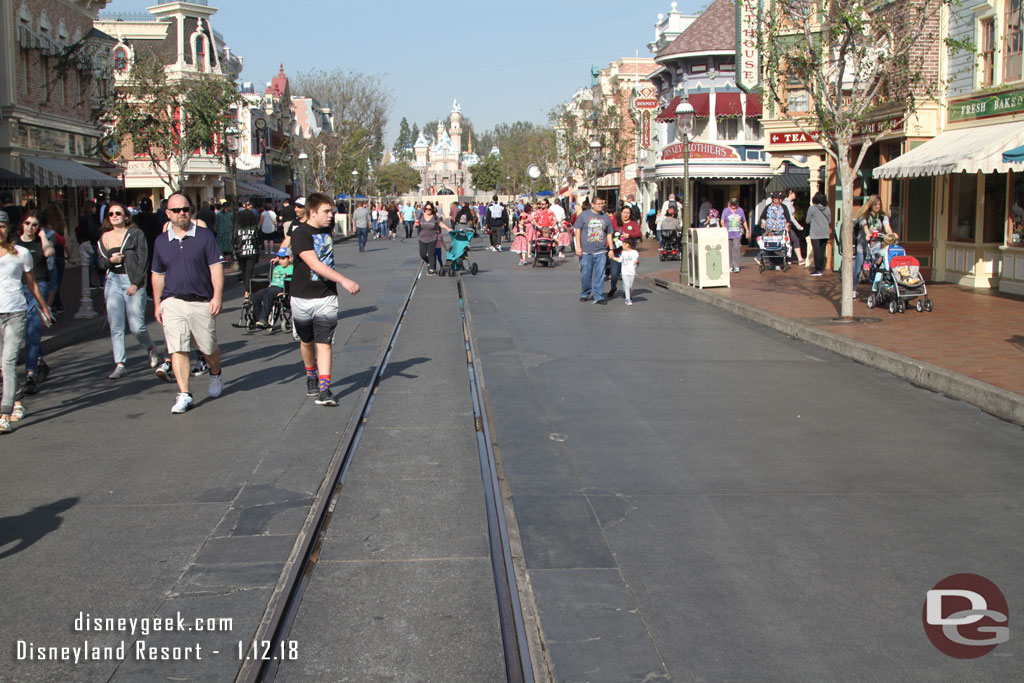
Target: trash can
{"x": 707, "y": 254}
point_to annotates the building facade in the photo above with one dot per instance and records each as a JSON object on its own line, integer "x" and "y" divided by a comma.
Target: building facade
{"x": 54, "y": 77}
{"x": 444, "y": 168}
{"x": 726, "y": 147}
{"x": 181, "y": 36}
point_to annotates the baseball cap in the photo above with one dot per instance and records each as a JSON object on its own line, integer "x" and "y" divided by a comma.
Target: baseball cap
{"x": 301, "y": 201}
{"x": 282, "y": 253}
{"x": 4, "y": 218}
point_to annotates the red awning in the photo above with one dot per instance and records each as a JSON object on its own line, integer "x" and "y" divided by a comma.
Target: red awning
{"x": 669, "y": 112}
{"x": 701, "y": 104}
{"x": 728, "y": 104}
{"x": 754, "y": 105}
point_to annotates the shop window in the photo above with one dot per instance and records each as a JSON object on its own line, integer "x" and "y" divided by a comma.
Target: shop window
{"x": 987, "y": 52}
{"x": 919, "y": 210}
{"x": 797, "y": 100}
{"x": 995, "y": 207}
{"x": 700, "y": 127}
{"x": 965, "y": 197}
{"x": 1015, "y": 225}
{"x": 200, "y": 53}
{"x": 753, "y": 129}
{"x": 728, "y": 128}
{"x": 1012, "y": 41}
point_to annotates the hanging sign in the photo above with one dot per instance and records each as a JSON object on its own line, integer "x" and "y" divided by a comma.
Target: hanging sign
{"x": 644, "y": 103}
{"x": 748, "y": 57}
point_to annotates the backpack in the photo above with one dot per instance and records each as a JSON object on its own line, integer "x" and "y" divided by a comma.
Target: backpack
{"x": 674, "y": 205}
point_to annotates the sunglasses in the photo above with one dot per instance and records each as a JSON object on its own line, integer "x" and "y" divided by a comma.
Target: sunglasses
{"x": 118, "y": 213}
{"x": 181, "y": 209}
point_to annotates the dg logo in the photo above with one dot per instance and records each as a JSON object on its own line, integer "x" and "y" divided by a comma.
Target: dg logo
{"x": 966, "y": 616}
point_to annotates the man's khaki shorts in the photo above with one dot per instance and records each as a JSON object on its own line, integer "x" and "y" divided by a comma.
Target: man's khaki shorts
{"x": 185, "y": 321}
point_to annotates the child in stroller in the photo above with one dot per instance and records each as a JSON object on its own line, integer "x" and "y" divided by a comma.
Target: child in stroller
{"x": 544, "y": 250}
{"x": 896, "y": 279}
{"x": 458, "y": 253}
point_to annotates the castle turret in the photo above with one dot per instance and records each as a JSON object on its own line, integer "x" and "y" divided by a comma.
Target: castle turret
{"x": 456, "y": 125}
{"x": 421, "y": 148}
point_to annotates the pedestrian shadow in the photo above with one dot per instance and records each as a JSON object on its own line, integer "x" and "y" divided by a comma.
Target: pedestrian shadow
{"x": 401, "y": 368}
{"x": 25, "y": 530}
{"x": 1017, "y": 340}
{"x": 353, "y": 312}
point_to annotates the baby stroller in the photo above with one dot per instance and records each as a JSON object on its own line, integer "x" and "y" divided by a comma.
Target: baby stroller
{"x": 544, "y": 252}
{"x": 671, "y": 246}
{"x": 457, "y": 257}
{"x": 901, "y": 282}
{"x": 773, "y": 249}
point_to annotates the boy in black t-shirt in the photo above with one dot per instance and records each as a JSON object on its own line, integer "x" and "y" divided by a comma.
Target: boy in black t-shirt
{"x": 315, "y": 295}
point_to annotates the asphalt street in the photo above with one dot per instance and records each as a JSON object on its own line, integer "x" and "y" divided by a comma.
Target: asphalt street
{"x": 702, "y": 499}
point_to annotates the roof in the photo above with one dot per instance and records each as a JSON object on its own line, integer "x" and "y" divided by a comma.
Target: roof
{"x": 967, "y": 150}
{"x": 713, "y": 31}
{"x": 279, "y": 84}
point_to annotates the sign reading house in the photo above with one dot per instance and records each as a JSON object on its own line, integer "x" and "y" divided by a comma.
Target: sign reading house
{"x": 984, "y": 107}
{"x": 748, "y": 57}
{"x": 700, "y": 150}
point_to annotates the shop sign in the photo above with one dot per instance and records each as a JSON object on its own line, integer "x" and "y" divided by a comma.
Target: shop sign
{"x": 981, "y": 107}
{"x": 699, "y": 150}
{"x": 795, "y": 138}
{"x": 893, "y": 125}
{"x": 645, "y": 103}
{"x": 748, "y": 57}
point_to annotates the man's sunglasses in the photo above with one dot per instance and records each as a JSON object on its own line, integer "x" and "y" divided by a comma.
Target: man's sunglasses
{"x": 182, "y": 209}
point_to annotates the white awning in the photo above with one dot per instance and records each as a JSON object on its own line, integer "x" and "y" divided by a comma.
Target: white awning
{"x": 967, "y": 150}
{"x": 49, "y": 172}
{"x": 260, "y": 190}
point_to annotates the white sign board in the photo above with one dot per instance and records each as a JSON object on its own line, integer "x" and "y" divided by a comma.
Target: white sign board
{"x": 748, "y": 57}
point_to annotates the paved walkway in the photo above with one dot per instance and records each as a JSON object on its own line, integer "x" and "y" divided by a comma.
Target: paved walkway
{"x": 973, "y": 332}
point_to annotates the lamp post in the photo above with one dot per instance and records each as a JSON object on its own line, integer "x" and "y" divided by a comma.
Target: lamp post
{"x": 352, "y": 197}
{"x": 684, "y": 127}
{"x": 595, "y": 158}
{"x": 303, "y": 160}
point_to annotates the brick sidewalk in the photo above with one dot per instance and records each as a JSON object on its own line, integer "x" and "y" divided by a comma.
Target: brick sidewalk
{"x": 976, "y": 333}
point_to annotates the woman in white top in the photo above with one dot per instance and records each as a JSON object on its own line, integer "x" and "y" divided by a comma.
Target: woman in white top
{"x": 15, "y": 269}
{"x": 268, "y": 227}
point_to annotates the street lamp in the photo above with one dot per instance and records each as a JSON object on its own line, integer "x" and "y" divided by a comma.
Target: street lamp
{"x": 352, "y": 197}
{"x": 684, "y": 128}
{"x": 303, "y": 160}
{"x": 595, "y": 158}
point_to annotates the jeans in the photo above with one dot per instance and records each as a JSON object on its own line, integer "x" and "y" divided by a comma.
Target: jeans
{"x": 120, "y": 304}
{"x": 12, "y": 331}
{"x": 59, "y": 264}
{"x": 614, "y": 272}
{"x": 858, "y": 264}
{"x": 592, "y": 275}
{"x": 438, "y": 257}
{"x": 34, "y": 327}
{"x": 263, "y": 300}
{"x": 362, "y": 234}
{"x": 408, "y": 229}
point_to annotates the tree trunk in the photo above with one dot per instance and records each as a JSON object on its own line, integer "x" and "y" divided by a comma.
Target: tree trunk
{"x": 846, "y": 237}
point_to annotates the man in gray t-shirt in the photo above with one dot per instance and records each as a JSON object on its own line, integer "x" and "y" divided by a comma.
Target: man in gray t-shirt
{"x": 361, "y": 222}
{"x": 592, "y": 236}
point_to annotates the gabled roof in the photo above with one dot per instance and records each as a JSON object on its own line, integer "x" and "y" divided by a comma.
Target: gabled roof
{"x": 713, "y": 31}
{"x": 279, "y": 84}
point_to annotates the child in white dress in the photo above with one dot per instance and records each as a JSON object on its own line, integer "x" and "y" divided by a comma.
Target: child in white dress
{"x": 630, "y": 258}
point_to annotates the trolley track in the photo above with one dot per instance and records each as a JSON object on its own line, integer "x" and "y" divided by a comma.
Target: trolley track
{"x": 275, "y": 630}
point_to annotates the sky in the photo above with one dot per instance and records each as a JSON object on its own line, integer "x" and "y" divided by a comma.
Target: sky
{"x": 503, "y": 61}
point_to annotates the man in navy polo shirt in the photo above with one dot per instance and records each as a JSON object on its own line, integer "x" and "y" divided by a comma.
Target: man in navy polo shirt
{"x": 188, "y": 283}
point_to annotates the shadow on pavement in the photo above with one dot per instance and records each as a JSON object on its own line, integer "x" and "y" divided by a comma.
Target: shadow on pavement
{"x": 32, "y": 526}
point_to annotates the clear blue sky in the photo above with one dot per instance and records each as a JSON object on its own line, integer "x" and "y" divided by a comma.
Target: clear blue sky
{"x": 504, "y": 61}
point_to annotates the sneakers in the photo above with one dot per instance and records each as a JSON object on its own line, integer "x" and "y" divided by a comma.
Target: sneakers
{"x": 498, "y": 248}
{"x": 734, "y": 270}
{"x": 816, "y": 273}
{"x": 182, "y": 403}
{"x": 31, "y": 385}
{"x": 325, "y": 398}
{"x": 312, "y": 386}
{"x": 629, "y": 302}
{"x": 601, "y": 302}
{"x": 430, "y": 271}
{"x": 154, "y": 359}
{"x": 262, "y": 324}
{"x": 118, "y": 372}
{"x": 5, "y": 426}
{"x": 42, "y": 370}
{"x": 200, "y": 368}
{"x": 216, "y": 385}
{"x": 164, "y": 372}
{"x": 584, "y": 298}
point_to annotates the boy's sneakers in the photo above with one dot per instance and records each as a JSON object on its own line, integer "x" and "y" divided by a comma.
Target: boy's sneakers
{"x": 312, "y": 386}
{"x": 164, "y": 372}
{"x": 118, "y": 372}
{"x": 325, "y": 398}
{"x": 200, "y": 368}
{"x": 216, "y": 385}
{"x": 182, "y": 403}
{"x": 154, "y": 359}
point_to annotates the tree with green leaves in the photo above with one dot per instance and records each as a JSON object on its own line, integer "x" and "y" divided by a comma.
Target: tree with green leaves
{"x": 172, "y": 120}
{"x": 488, "y": 175}
{"x": 403, "y": 144}
{"x": 589, "y": 117}
{"x": 397, "y": 178}
{"x": 865, "y": 68}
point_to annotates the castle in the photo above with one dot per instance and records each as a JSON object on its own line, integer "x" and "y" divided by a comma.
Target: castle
{"x": 443, "y": 166}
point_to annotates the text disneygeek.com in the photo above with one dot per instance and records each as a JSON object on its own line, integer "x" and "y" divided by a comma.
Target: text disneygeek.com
{"x": 141, "y": 650}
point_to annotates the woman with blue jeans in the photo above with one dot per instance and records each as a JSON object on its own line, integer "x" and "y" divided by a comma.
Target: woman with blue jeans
{"x": 123, "y": 252}
{"x": 41, "y": 249}
{"x": 15, "y": 273}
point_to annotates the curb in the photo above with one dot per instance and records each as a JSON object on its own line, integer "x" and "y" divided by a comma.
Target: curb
{"x": 1002, "y": 403}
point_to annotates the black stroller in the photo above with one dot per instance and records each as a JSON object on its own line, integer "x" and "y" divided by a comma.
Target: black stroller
{"x": 544, "y": 252}
{"x": 671, "y": 246}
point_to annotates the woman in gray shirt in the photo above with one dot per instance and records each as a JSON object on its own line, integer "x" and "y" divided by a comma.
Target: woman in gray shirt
{"x": 820, "y": 219}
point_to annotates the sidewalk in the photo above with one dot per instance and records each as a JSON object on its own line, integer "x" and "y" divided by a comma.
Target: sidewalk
{"x": 972, "y": 334}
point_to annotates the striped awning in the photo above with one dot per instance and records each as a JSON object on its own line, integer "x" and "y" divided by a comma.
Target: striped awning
{"x": 260, "y": 191}
{"x": 50, "y": 172}
{"x": 10, "y": 180}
